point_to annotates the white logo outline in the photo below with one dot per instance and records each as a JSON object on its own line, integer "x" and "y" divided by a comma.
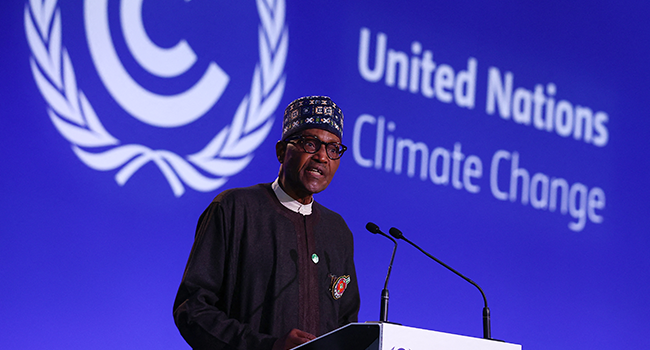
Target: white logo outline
{"x": 166, "y": 111}
{"x": 224, "y": 156}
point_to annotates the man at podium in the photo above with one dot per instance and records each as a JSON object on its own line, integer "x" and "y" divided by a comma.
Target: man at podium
{"x": 270, "y": 267}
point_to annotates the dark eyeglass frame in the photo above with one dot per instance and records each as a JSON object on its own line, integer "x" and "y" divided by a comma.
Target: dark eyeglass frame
{"x": 336, "y": 147}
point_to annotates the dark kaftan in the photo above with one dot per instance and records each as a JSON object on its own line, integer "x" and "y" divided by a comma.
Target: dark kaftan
{"x": 251, "y": 278}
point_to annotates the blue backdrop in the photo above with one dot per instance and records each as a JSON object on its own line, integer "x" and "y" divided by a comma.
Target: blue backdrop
{"x": 508, "y": 139}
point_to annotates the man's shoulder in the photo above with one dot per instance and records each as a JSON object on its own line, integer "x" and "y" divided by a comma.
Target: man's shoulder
{"x": 334, "y": 226}
{"x": 328, "y": 214}
{"x": 239, "y": 194}
{"x": 325, "y": 210}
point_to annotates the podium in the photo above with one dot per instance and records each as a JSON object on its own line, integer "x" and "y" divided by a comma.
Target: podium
{"x": 388, "y": 336}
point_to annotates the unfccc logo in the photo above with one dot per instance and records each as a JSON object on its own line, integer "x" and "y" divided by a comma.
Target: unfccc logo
{"x": 229, "y": 151}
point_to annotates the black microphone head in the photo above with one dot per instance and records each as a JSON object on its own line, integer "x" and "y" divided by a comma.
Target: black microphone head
{"x": 396, "y": 233}
{"x": 372, "y": 227}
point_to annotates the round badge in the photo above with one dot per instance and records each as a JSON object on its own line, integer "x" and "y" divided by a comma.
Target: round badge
{"x": 339, "y": 285}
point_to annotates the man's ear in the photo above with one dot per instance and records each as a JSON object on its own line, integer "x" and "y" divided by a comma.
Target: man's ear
{"x": 280, "y": 150}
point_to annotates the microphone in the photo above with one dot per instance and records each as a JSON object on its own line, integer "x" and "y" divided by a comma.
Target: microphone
{"x": 487, "y": 332}
{"x": 383, "y": 310}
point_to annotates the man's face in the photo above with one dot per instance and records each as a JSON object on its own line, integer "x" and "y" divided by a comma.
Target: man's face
{"x": 303, "y": 174}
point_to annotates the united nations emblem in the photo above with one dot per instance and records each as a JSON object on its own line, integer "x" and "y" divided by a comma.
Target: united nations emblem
{"x": 339, "y": 285}
{"x": 72, "y": 112}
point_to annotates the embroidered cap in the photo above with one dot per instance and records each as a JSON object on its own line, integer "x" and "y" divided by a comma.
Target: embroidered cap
{"x": 312, "y": 112}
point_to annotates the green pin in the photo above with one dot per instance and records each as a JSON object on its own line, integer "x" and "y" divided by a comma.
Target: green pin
{"x": 315, "y": 258}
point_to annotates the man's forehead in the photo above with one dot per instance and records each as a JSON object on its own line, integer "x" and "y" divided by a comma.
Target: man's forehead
{"x": 321, "y": 134}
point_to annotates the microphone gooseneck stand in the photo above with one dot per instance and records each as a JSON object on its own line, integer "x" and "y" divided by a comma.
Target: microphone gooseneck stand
{"x": 487, "y": 332}
{"x": 383, "y": 310}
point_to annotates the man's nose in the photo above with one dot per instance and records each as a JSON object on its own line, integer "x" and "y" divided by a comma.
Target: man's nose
{"x": 321, "y": 154}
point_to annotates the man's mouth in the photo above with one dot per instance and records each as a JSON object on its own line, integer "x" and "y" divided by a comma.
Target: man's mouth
{"x": 315, "y": 170}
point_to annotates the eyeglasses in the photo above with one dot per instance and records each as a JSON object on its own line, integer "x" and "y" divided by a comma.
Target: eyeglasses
{"x": 311, "y": 144}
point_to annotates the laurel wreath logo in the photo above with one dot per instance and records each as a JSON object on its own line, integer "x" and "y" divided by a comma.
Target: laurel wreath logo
{"x": 229, "y": 152}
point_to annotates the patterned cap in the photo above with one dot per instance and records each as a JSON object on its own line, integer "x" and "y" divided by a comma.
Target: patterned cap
{"x": 312, "y": 112}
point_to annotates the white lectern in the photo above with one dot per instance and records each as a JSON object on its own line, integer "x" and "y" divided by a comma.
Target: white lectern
{"x": 387, "y": 336}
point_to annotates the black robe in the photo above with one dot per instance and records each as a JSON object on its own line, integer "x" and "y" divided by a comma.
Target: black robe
{"x": 251, "y": 278}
